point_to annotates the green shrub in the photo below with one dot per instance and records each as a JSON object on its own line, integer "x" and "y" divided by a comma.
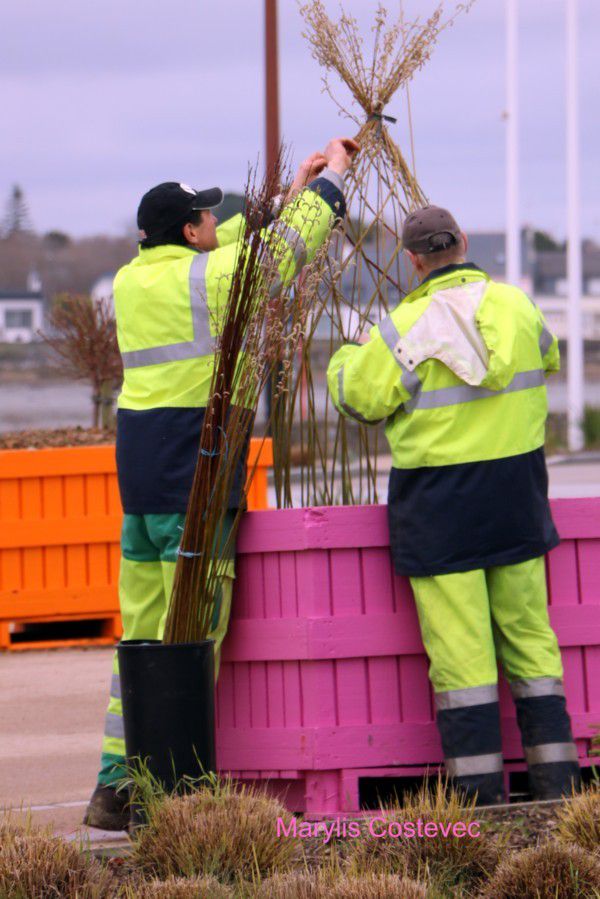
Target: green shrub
{"x": 591, "y": 426}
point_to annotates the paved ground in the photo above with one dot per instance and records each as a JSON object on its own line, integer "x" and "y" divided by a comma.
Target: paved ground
{"x": 52, "y": 705}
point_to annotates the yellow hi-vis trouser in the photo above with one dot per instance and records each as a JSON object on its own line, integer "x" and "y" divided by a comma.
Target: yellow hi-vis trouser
{"x": 149, "y": 545}
{"x": 469, "y": 621}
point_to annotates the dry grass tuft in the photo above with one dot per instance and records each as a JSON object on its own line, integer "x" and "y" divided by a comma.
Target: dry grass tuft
{"x": 180, "y": 888}
{"x": 34, "y": 864}
{"x": 300, "y": 885}
{"x": 218, "y": 831}
{"x": 450, "y": 862}
{"x": 579, "y": 820}
{"x": 550, "y": 871}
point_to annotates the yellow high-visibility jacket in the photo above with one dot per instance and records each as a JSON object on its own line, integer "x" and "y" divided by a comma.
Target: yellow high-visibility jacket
{"x": 458, "y": 372}
{"x": 169, "y": 303}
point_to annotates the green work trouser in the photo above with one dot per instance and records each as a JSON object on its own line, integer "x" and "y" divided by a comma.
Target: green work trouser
{"x": 149, "y": 545}
{"x": 470, "y": 621}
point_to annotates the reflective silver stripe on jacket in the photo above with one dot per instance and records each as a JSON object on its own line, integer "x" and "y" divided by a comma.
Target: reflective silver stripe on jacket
{"x": 348, "y": 409}
{"x": 270, "y": 269}
{"x": 389, "y": 332}
{"x": 545, "y": 342}
{"x": 114, "y": 726}
{"x": 115, "y": 687}
{"x": 474, "y": 764}
{"x": 202, "y": 343}
{"x": 452, "y": 396}
{"x": 546, "y": 337}
{"x": 294, "y": 240}
{"x": 460, "y": 699}
{"x": 525, "y": 688}
{"x": 550, "y": 752}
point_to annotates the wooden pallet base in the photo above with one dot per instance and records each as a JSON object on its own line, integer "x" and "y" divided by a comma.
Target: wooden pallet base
{"x": 46, "y": 632}
{"x": 357, "y": 791}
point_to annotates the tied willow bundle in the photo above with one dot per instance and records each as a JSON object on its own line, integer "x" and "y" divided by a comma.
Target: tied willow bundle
{"x": 259, "y": 328}
{"x": 366, "y": 275}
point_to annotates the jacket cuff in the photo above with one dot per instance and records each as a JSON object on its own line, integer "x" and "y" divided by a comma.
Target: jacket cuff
{"x": 326, "y": 185}
{"x": 334, "y": 177}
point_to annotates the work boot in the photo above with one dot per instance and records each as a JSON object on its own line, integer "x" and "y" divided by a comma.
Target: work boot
{"x": 108, "y": 809}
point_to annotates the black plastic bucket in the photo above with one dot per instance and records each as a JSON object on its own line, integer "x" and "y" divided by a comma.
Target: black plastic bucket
{"x": 168, "y": 694}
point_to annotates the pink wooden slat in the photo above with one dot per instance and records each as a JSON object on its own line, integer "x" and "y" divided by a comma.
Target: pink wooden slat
{"x": 323, "y": 792}
{"x": 576, "y": 625}
{"x": 333, "y": 527}
{"x": 313, "y": 576}
{"x": 352, "y": 691}
{"x": 241, "y": 695}
{"x": 577, "y": 518}
{"x": 327, "y": 748}
{"x": 265, "y": 748}
{"x": 258, "y": 694}
{"x": 272, "y": 586}
{"x": 353, "y": 636}
{"x": 377, "y": 580}
{"x": 592, "y": 676}
{"x": 252, "y": 603}
{"x": 327, "y": 527}
{"x": 275, "y": 699}
{"x": 391, "y": 744}
{"x": 289, "y": 584}
{"x": 224, "y": 695}
{"x": 346, "y": 582}
{"x": 292, "y": 692}
{"x": 415, "y": 690}
{"x": 562, "y": 575}
{"x": 574, "y": 677}
{"x": 319, "y": 697}
{"x": 588, "y": 554}
{"x": 384, "y": 690}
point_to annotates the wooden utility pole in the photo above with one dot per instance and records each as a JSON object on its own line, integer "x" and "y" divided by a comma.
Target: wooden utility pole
{"x": 271, "y": 126}
{"x": 513, "y": 228}
{"x": 271, "y": 87}
{"x": 575, "y": 362}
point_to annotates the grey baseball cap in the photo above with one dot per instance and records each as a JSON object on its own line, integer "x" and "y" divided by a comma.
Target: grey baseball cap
{"x": 429, "y": 230}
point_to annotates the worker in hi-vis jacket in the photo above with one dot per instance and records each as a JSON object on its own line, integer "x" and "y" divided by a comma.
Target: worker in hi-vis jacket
{"x": 458, "y": 372}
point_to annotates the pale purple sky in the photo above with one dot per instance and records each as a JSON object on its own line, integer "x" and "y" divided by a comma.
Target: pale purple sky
{"x": 103, "y": 100}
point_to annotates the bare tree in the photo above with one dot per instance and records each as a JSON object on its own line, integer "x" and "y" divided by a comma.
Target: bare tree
{"x": 83, "y": 334}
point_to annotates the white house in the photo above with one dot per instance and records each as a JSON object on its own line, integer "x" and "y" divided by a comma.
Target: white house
{"x": 21, "y": 316}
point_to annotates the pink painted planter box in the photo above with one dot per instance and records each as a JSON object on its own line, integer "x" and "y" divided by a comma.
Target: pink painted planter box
{"x": 324, "y": 676}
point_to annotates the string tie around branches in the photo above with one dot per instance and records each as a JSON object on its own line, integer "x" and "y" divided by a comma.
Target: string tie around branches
{"x": 187, "y": 554}
{"x": 380, "y": 118}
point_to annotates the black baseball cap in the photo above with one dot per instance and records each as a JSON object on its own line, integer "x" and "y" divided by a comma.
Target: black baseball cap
{"x": 167, "y": 204}
{"x": 430, "y": 229}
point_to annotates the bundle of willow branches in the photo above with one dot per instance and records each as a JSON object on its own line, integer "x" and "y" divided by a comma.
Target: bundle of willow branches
{"x": 365, "y": 275}
{"x": 259, "y": 326}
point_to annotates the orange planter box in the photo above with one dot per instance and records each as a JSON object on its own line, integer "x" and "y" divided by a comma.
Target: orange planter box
{"x": 60, "y": 524}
